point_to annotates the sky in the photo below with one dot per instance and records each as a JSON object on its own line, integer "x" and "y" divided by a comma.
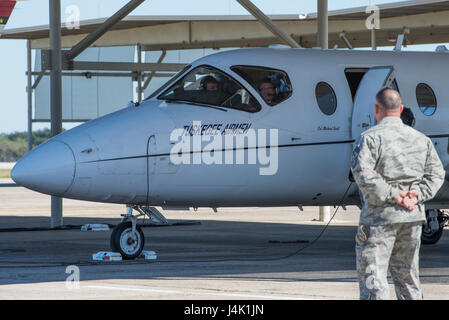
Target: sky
{"x": 27, "y": 13}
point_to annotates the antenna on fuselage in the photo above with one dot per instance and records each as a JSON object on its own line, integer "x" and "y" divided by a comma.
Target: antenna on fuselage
{"x": 441, "y": 48}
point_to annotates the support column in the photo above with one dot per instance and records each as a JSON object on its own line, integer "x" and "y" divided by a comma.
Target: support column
{"x": 325, "y": 213}
{"x": 30, "y": 96}
{"x": 323, "y": 43}
{"x": 139, "y": 74}
{"x": 373, "y": 39}
{"x": 323, "y": 26}
{"x": 55, "y": 93}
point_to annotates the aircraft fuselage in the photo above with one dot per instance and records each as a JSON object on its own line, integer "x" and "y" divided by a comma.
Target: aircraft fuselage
{"x": 127, "y": 157}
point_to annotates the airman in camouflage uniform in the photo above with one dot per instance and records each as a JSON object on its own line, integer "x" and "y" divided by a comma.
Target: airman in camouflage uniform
{"x": 397, "y": 169}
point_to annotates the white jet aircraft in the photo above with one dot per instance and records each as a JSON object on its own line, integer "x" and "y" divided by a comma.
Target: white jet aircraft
{"x": 249, "y": 127}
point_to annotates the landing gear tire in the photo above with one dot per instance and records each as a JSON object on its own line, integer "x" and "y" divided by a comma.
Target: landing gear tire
{"x": 432, "y": 235}
{"x": 126, "y": 241}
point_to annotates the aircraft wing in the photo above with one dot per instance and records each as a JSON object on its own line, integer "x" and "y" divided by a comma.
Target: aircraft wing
{"x": 6, "y": 7}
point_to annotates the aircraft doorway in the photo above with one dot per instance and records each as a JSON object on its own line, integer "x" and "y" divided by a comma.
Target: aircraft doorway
{"x": 354, "y": 76}
{"x": 363, "y": 111}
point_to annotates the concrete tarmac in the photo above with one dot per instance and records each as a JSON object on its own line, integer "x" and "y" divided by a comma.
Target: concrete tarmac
{"x": 236, "y": 253}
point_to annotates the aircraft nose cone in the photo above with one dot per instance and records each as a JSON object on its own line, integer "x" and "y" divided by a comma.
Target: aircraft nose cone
{"x": 50, "y": 168}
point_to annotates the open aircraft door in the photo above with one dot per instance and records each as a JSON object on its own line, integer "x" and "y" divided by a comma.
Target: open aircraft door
{"x": 363, "y": 111}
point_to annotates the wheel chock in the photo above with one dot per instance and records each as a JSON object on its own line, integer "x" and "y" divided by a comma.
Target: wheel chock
{"x": 148, "y": 255}
{"x": 116, "y": 256}
{"x": 107, "y": 256}
{"x": 95, "y": 227}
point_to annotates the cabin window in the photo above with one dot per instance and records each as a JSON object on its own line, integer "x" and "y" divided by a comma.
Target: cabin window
{"x": 427, "y": 101}
{"x": 326, "y": 98}
{"x": 209, "y": 86}
{"x": 273, "y": 85}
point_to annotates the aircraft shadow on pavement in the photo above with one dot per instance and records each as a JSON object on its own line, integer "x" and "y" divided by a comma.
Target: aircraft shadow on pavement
{"x": 212, "y": 248}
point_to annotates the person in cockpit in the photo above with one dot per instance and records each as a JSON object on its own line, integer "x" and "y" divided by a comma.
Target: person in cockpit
{"x": 267, "y": 91}
{"x": 209, "y": 83}
{"x": 210, "y": 90}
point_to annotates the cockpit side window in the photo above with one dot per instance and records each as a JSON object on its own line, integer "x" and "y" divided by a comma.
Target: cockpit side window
{"x": 207, "y": 85}
{"x": 273, "y": 85}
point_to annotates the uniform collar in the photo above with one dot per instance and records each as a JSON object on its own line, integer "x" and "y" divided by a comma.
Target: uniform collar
{"x": 391, "y": 119}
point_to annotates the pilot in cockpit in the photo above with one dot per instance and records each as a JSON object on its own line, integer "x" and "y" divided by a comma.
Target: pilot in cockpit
{"x": 211, "y": 90}
{"x": 209, "y": 83}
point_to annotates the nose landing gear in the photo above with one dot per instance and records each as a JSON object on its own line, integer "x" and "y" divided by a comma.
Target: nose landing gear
{"x": 127, "y": 238}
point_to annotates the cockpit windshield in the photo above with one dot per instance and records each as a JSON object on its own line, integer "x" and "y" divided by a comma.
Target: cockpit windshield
{"x": 209, "y": 86}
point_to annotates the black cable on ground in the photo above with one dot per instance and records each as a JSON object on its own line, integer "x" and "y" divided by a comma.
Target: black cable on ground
{"x": 277, "y": 258}
{"x": 65, "y": 227}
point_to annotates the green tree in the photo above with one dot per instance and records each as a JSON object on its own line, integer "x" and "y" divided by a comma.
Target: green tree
{"x": 14, "y": 145}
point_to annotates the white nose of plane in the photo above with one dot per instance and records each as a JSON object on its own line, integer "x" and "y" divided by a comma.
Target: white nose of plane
{"x": 50, "y": 168}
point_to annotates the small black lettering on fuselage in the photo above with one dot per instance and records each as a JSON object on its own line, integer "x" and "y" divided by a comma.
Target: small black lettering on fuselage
{"x": 216, "y": 129}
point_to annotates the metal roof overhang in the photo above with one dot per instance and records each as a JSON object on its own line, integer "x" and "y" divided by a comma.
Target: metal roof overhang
{"x": 427, "y": 21}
